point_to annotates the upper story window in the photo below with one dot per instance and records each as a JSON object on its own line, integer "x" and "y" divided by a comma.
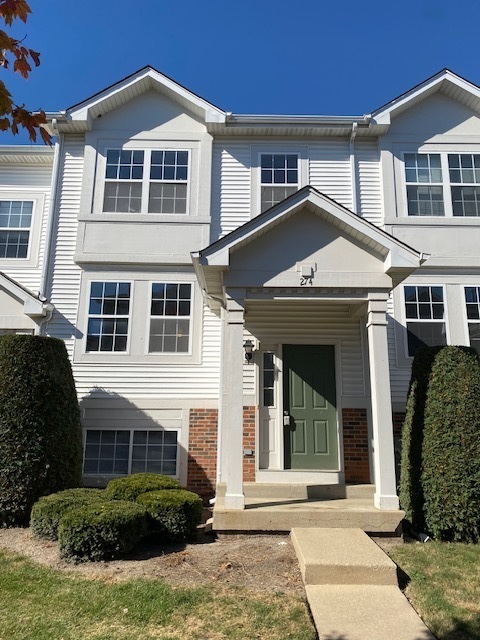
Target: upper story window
{"x": 472, "y": 301}
{"x": 441, "y": 184}
{"x": 425, "y": 316}
{"x": 170, "y": 317}
{"x": 146, "y": 181}
{"x": 15, "y": 227}
{"x": 278, "y": 178}
{"x": 108, "y": 316}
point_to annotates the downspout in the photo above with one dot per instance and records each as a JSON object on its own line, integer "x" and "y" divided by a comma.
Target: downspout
{"x": 54, "y": 188}
{"x": 353, "y": 170}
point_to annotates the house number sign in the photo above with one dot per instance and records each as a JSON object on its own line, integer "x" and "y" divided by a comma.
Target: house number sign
{"x": 306, "y": 281}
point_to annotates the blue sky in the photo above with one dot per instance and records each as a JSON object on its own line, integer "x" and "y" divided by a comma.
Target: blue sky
{"x": 253, "y": 56}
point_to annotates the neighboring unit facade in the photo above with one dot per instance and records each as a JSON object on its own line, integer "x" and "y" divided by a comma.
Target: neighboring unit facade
{"x": 241, "y": 296}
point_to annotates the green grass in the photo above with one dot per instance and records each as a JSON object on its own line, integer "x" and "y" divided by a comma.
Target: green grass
{"x": 444, "y": 586}
{"x": 38, "y": 603}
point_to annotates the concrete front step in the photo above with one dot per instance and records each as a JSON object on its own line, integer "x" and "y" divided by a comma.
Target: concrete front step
{"x": 364, "y": 612}
{"x": 283, "y": 515}
{"x": 302, "y": 491}
{"x": 341, "y": 556}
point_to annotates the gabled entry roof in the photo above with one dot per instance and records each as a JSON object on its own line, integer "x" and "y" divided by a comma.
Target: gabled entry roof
{"x": 399, "y": 260}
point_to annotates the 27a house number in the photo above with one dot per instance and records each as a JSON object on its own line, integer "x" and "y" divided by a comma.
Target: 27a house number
{"x": 306, "y": 281}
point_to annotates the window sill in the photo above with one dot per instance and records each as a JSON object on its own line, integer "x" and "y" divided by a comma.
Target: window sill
{"x": 433, "y": 220}
{"x": 152, "y": 218}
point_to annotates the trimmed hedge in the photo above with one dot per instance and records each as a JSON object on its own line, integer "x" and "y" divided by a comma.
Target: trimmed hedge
{"x": 49, "y": 510}
{"x": 130, "y": 487}
{"x": 101, "y": 531}
{"x": 451, "y": 446}
{"x": 410, "y": 489}
{"x": 173, "y": 514}
{"x": 40, "y": 432}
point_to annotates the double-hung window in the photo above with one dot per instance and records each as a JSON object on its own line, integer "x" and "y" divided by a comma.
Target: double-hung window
{"x": 170, "y": 317}
{"x": 15, "y": 228}
{"x": 146, "y": 181}
{"x": 425, "y": 317}
{"x": 114, "y": 452}
{"x": 443, "y": 184}
{"x": 472, "y": 301}
{"x": 108, "y": 317}
{"x": 278, "y": 178}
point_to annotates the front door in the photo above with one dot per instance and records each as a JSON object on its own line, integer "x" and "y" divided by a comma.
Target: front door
{"x": 309, "y": 402}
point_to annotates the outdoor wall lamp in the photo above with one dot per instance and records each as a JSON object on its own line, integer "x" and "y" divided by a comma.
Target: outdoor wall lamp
{"x": 248, "y": 346}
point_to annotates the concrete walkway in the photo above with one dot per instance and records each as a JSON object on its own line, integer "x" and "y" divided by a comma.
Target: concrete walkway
{"x": 352, "y": 588}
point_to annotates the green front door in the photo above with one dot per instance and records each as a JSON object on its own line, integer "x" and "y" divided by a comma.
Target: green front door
{"x": 309, "y": 403}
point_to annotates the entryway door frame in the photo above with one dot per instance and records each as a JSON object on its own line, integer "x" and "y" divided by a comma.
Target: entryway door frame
{"x": 271, "y": 465}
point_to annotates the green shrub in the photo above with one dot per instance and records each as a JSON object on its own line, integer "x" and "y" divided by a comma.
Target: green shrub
{"x": 40, "y": 432}
{"x": 101, "y": 531}
{"x": 451, "y": 446}
{"x": 49, "y": 510}
{"x": 410, "y": 489}
{"x": 130, "y": 487}
{"x": 173, "y": 514}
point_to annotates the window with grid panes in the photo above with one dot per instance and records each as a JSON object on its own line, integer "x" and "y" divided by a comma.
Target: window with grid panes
{"x": 268, "y": 379}
{"x": 464, "y": 170}
{"x": 278, "y": 178}
{"x": 124, "y": 451}
{"x": 423, "y": 173}
{"x": 15, "y": 226}
{"x": 146, "y": 181}
{"x": 472, "y": 301}
{"x": 425, "y": 317}
{"x": 108, "y": 316}
{"x": 170, "y": 313}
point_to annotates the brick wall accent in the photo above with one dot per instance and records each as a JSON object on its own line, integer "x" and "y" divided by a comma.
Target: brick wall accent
{"x": 249, "y": 443}
{"x": 355, "y": 445}
{"x": 202, "y": 451}
{"x": 398, "y": 420}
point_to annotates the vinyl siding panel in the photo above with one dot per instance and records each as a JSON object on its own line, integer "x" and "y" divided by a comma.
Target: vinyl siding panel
{"x": 330, "y": 170}
{"x": 231, "y": 193}
{"x": 399, "y": 376}
{"x": 21, "y": 175}
{"x": 369, "y": 188}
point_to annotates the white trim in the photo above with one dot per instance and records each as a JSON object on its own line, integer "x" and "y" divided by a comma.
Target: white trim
{"x": 35, "y": 230}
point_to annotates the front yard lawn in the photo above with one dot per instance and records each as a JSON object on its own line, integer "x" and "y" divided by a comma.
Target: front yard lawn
{"x": 444, "y": 586}
{"x": 38, "y": 603}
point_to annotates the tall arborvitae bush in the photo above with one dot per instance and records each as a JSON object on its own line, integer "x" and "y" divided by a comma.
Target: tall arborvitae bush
{"x": 451, "y": 446}
{"x": 411, "y": 489}
{"x": 40, "y": 432}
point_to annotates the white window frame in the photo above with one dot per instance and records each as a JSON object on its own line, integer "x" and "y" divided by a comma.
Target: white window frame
{"x": 38, "y": 201}
{"x": 280, "y": 185}
{"x": 468, "y": 320}
{"x": 189, "y": 317}
{"x": 131, "y": 431}
{"x": 113, "y": 317}
{"x": 443, "y": 151}
{"x": 405, "y": 356}
{"x": 301, "y": 151}
{"x": 139, "y": 319}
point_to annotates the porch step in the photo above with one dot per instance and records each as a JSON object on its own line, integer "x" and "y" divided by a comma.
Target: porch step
{"x": 341, "y": 556}
{"x": 302, "y": 491}
{"x": 352, "y": 587}
{"x": 279, "y": 514}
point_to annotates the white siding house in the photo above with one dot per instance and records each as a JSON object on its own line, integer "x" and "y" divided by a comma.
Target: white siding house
{"x": 241, "y": 296}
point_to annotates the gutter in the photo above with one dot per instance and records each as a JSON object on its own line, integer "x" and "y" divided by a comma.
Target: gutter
{"x": 54, "y": 187}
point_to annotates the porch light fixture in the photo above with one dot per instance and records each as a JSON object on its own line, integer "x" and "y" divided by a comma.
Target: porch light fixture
{"x": 248, "y": 346}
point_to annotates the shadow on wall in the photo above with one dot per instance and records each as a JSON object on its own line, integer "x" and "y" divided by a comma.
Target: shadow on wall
{"x": 109, "y": 411}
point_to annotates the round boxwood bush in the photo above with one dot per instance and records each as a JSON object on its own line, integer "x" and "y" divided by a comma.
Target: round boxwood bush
{"x": 101, "y": 531}
{"x": 173, "y": 514}
{"x": 130, "y": 487}
{"x": 451, "y": 446}
{"x": 49, "y": 510}
{"x": 40, "y": 432}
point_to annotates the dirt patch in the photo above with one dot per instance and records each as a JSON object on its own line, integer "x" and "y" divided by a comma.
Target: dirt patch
{"x": 257, "y": 562}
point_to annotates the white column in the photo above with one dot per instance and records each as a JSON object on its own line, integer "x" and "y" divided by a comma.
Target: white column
{"x": 231, "y": 414}
{"x": 383, "y": 453}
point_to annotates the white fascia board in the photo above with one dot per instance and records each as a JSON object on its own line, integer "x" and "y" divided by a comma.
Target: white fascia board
{"x": 32, "y": 306}
{"x": 384, "y": 114}
{"x": 212, "y": 113}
